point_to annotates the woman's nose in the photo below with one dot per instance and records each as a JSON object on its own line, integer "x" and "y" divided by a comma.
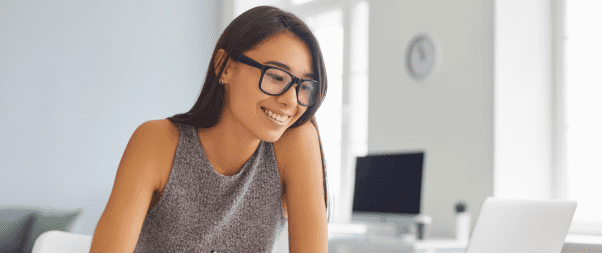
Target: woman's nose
{"x": 289, "y": 97}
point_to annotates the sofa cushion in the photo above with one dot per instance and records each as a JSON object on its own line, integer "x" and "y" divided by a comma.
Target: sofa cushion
{"x": 15, "y": 225}
{"x": 20, "y": 227}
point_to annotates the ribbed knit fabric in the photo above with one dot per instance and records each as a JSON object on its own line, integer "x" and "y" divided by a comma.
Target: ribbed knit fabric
{"x": 203, "y": 211}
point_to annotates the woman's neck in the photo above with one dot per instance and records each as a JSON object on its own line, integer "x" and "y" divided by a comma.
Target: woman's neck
{"x": 227, "y": 145}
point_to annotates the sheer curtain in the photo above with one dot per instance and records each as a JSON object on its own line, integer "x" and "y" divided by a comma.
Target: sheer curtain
{"x": 583, "y": 88}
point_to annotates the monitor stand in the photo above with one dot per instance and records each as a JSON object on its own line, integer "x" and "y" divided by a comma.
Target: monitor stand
{"x": 384, "y": 225}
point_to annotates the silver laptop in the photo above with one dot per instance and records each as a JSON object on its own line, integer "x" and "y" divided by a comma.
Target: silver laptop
{"x": 521, "y": 226}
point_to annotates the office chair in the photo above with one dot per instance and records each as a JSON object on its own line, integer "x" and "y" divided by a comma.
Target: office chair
{"x": 55, "y": 241}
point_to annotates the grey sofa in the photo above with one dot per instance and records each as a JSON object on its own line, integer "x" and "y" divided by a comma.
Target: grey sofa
{"x": 21, "y": 226}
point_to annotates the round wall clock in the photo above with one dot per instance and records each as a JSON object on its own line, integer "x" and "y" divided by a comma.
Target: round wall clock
{"x": 420, "y": 57}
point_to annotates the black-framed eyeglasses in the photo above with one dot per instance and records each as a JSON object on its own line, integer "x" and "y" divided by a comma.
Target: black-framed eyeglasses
{"x": 277, "y": 81}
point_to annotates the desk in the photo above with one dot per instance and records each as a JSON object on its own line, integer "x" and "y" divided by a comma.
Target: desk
{"x": 440, "y": 245}
{"x": 355, "y": 237}
{"x": 582, "y": 243}
{"x": 365, "y": 245}
{"x": 394, "y": 245}
{"x": 345, "y": 237}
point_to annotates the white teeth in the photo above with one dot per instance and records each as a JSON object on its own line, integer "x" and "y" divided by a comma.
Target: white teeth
{"x": 276, "y": 116}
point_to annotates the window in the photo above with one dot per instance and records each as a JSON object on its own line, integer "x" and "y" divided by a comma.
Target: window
{"x": 300, "y": 1}
{"x": 583, "y": 105}
{"x": 341, "y": 28}
{"x": 327, "y": 26}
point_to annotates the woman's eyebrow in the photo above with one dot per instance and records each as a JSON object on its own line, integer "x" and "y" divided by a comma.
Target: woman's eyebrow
{"x": 287, "y": 68}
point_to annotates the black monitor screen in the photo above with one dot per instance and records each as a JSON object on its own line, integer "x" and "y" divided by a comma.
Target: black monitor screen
{"x": 388, "y": 183}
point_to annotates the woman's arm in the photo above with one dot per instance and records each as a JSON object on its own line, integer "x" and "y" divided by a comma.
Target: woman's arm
{"x": 137, "y": 178}
{"x": 298, "y": 151}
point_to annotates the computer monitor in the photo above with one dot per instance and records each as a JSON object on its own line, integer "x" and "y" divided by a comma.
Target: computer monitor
{"x": 388, "y": 184}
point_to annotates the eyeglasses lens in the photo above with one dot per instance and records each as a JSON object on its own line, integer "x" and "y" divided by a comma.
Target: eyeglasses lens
{"x": 275, "y": 81}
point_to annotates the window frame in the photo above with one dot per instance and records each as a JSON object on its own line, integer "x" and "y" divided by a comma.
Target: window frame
{"x": 559, "y": 117}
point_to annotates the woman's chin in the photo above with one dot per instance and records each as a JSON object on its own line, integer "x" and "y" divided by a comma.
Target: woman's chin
{"x": 270, "y": 136}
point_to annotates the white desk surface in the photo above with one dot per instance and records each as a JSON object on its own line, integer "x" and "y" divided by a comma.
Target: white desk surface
{"x": 440, "y": 244}
{"x": 583, "y": 239}
{"x": 360, "y": 229}
{"x": 418, "y": 244}
{"x": 351, "y": 231}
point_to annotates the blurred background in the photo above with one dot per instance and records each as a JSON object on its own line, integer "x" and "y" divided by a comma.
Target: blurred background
{"x": 507, "y": 111}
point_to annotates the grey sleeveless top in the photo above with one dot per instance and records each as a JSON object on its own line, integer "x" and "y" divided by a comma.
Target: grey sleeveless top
{"x": 203, "y": 211}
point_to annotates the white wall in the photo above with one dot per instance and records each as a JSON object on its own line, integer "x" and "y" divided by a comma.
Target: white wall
{"x": 450, "y": 116}
{"x": 77, "y": 78}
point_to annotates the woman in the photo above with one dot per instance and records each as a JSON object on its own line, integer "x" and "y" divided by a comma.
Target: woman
{"x": 227, "y": 175}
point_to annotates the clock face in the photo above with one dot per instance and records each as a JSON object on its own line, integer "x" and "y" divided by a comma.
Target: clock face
{"x": 420, "y": 57}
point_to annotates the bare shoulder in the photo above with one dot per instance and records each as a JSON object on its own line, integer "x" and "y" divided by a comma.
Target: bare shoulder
{"x": 298, "y": 146}
{"x": 155, "y": 135}
{"x": 165, "y": 134}
{"x": 156, "y": 140}
{"x": 163, "y": 127}
{"x": 162, "y": 134}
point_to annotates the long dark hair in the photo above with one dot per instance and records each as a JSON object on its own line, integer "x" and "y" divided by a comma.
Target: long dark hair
{"x": 243, "y": 34}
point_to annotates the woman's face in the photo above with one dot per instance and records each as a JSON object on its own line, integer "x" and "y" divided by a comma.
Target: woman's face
{"x": 246, "y": 104}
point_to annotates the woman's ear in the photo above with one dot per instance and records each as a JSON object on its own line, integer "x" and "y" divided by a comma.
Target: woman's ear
{"x": 220, "y": 58}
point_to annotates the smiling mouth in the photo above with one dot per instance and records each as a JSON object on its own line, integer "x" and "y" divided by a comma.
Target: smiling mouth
{"x": 278, "y": 118}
